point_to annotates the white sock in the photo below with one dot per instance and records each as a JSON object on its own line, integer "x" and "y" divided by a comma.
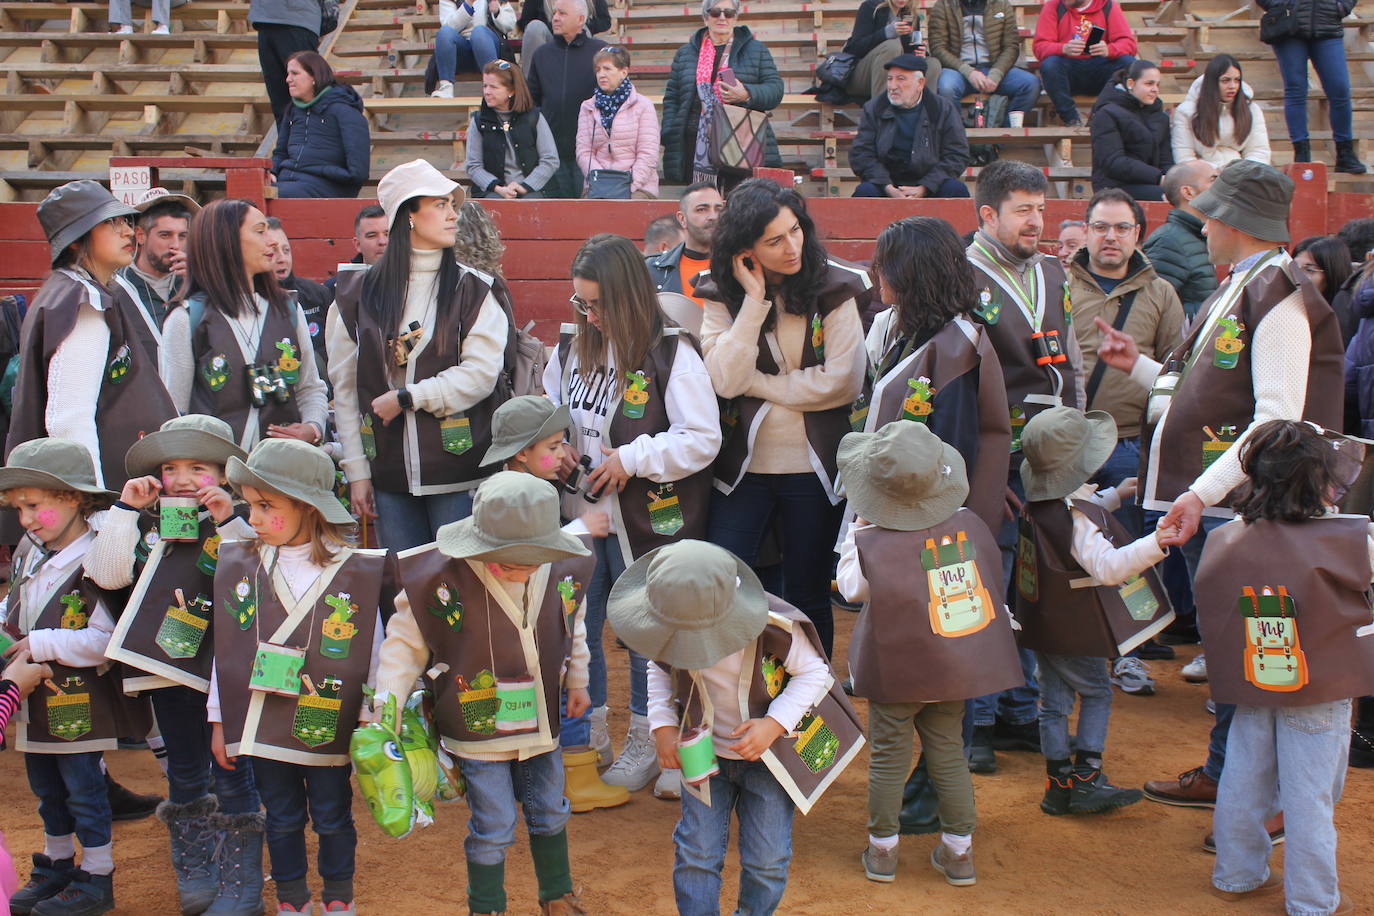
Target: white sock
{"x": 884, "y": 843}
{"x": 98, "y": 860}
{"x": 103, "y": 769}
{"x": 59, "y": 847}
{"x": 956, "y": 843}
{"x": 159, "y": 749}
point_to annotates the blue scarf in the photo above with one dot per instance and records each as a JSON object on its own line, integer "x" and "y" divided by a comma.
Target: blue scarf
{"x": 608, "y": 103}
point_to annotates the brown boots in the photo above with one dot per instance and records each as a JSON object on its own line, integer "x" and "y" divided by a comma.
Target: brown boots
{"x": 567, "y": 905}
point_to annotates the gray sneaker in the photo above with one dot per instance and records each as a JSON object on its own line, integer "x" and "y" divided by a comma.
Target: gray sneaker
{"x": 1133, "y": 676}
{"x": 958, "y": 870}
{"x": 879, "y": 864}
{"x": 668, "y": 785}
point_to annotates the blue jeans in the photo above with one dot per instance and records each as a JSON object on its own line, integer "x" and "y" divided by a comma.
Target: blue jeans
{"x": 1290, "y": 759}
{"x": 494, "y": 789}
{"x": 290, "y": 789}
{"x": 71, "y": 795}
{"x": 950, "y": 187}
{"x": 1065, "y": 77}
{"x": 765, "y": 841}
{"x": 808, "y": 531}
{"x": 180, "y": 715}
{"x": 405, "y": 521}
{"x": 1216, "y": 744}
{"x": 1328, "y": 57}
{"x": 1062, "y": 677}
{"x": 454, "y": 54}
{"x": 1019, "y": 86}
{"x": 1124, "y": 462}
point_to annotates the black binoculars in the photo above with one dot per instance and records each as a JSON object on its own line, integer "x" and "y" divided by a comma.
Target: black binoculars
{"x": 265, "y": 382}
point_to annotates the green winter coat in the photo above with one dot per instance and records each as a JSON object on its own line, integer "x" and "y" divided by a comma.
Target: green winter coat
{"x": 753, "y": 65}
{"x": 1178, "y": 251}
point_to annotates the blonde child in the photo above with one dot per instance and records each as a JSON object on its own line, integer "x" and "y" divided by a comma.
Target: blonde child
{"x": 295, "y": 640}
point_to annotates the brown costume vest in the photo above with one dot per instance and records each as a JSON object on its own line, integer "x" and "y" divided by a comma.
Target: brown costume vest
{"x": 477, "y": 650}
{"x": 1214, "y": 400}
{"x": 1030, "y": 388}
{"x": 220, "y": 385}
{"x": 333, "y": 622}
{"x": 142, "y": 324}
{"x": 1284, "y": 611}
{"x": 648, "y": 514}
{"x": 934, "y": 627}
{"x": 449, "y": 448}
{"x": 1061, "y": 609}
{"x": 132, "y": 398}
{"x": 166, "y": 635}
{"x": 77, "y": 709}
{"x": 947, "y": 356}
{"x": 827, "y": 738}
{"x": 740, "y": 417}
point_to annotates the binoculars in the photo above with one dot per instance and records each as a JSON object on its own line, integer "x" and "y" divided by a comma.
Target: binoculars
{"x": 1048, "y": 348}
{"x": 266, "y": 382}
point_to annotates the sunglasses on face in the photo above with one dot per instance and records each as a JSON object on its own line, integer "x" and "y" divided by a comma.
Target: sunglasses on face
{"x": 581, "y": 306}
{"x": 722, "y": 12}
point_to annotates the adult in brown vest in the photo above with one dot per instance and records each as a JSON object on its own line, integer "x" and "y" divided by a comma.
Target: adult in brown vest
{"x": 784, "y": 346}
{"x": 1265, "y": 346}
{"x": 234, "y": 346}
{"x": 417, "y": 347}
{"x": 1024, "y": 304}
{"x": 1283, "y": 606}
{"x": 647, "y": 428}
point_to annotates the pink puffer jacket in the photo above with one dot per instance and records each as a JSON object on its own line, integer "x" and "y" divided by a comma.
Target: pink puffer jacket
{"x": 631, "y": 147}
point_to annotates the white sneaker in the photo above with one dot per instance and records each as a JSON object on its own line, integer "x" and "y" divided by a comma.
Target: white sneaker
{"x": 1133, "y": 676}
{"x": 668, "y": 785}
{"x": 601, "y": 738}
{"x": 1195, "y": 672}
{"x": 162, "y": 29}
{"x": 125, "y": 29}
{"x": 445, "y": 90}
{"x": 637, "y": 764}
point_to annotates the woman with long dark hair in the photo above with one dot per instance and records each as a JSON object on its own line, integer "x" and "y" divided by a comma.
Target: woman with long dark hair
{"x": 647, "y": 429}
{"x": 1219, "y": 120}
{"x": 233, "y": 346}
{"x": 1130, "y": 134}
{"x": 417, "y": 345}
{"x": 784, "y": 346}
{"x": 1326, "y": 261}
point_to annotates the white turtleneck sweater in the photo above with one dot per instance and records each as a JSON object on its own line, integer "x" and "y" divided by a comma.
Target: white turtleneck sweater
{"x": 455, "y": 389}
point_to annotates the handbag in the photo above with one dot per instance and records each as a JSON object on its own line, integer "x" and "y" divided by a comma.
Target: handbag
{"x": 836, "y": 69}
{"x": 735, "y": 138}
{"x": 608, "y": 184}
{"x": 1278, "y": 23}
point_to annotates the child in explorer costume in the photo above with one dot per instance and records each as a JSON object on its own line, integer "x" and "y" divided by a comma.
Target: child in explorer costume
{"x": 495, "y": 608}
{"x": 742, "y": 700}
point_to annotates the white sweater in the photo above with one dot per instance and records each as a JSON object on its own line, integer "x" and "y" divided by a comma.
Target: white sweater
{"x": 462, "y": 17}
{"x": 83, "y": 648}
{"x": 1187, "y": 147}
{"x": 75, "y": 377}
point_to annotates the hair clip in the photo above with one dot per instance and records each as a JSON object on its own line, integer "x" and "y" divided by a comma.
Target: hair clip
{"x": 503, "y": 65}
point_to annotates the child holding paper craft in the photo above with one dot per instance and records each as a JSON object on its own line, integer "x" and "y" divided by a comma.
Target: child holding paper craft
{"x": 495, "y": 609}
{"x": 165, "y": 637}
{"x": 61, "y": 619}
{"x": 296, "y": 638}
{"x": 1284, "y": 613}
{"x": 743, "y": 702}
{"x": 1078, "y": 607}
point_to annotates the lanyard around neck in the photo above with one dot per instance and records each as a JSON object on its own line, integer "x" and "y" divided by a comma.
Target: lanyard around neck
{"x": 1026, "y": 300}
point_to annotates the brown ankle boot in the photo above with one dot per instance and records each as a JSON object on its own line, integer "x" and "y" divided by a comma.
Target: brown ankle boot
{"x": 567, "y": 905}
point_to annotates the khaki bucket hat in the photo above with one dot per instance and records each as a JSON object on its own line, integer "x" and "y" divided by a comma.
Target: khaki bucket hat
{"x": 292, "y": 468}
{"x": 53, "y": 464}
{"x": 521, "y": 422}
{"x": 1253, "y": 197}
{"x": 902, "y": 477}
{"x": 1063, "y": 447}
{"x": 195, "y": 436}
{"x": 514, "y": 520}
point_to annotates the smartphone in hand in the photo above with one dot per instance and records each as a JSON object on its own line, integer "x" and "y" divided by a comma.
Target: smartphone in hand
{"x": 1095, "y": 36}
{"x": 727, "y": 76}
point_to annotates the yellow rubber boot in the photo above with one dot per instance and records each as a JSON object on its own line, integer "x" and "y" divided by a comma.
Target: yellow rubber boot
{"x": 582, "y": 782}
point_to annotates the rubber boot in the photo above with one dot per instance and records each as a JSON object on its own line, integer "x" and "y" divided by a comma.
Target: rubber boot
{"x": 601, "y": 738}
{"x": 84, "y": 895}
{"x": 920, "y": 804}
{"x": 1346, "y": 160}
{"x": 637, "y": 765}
{"x": 487, "y": 888}
{"x": 1302, "y": 150}
{"x": 239, "y": 858}
{"x": 554, "y": 874}
{"x": 193, "y": 828}
{"x": 582, "y": 782}
{"x": 48, "y": 878}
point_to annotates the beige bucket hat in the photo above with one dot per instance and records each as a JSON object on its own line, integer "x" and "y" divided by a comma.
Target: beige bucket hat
{"x": 521, "y": 422}
{"x": 514, "y": 520}
{"x": 902, "y": 477}
{"x": 53, "y": 464}
{"x": 1063, "y": 447}
{"x": 292, "y": 468}
{"x": 196, "y": 435}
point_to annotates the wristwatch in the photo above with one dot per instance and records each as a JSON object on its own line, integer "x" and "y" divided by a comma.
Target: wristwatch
{"x": 404, "y": 399}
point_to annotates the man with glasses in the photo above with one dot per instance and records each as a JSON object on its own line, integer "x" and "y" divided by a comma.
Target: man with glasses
{"x": 561, "y": 77}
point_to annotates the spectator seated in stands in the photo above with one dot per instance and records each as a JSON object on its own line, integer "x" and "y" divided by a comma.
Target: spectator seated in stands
{"x": 1068, "y": 65}
{"x": 1073, "y": 235}
{"x": 1219, "y": 120}
{"x": 561, "y": 76}
{"x": 617, "y": 133}
{"x": 536, "y": 30}
{"x": 469, "y": 38}
{"x": 1178, "y": 249}
{"x": 122, "y": 15}
{"x": 882, "y": 30}
{"x": 1130, "y": 133}
{"x": 662, "y": 234}
{"x": 511, "y": 151}
{"x": 911, "y": 143}
{"x": 977, "y": 43}
{"x": 323, "y": 148}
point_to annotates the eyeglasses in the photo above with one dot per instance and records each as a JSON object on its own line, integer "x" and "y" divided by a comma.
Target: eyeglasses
{"x": 722, "y": 12}
{"x": 1311, "y": 269}
{"x": 582, "y": 306}
{"x": 1119, "y": 229}
{"x": 118, "y": 222}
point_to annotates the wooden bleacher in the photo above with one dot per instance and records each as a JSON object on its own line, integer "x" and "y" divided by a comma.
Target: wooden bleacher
{"x": 78, "y": 94}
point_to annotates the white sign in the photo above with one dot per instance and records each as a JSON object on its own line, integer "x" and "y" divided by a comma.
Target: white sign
{"x": 131, "y": 183}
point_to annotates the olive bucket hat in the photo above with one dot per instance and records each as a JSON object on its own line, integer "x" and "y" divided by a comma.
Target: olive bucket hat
{"x": 53, "y": 464}
{"x": 521, "y": 422}
{"x": 75, "y": 208}
{"x": 514, "y": 520}
{"x": 295, "y": 469}
{"x": 1253, "y": 197}
{"x": 195, "y": 436}
{"x": 902, "y": 477}
{"x": 1063, "y": 448}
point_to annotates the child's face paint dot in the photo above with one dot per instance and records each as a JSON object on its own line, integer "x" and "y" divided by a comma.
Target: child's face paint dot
{"x": 207, "y": 481}
{"x": 276, "y": 523}
{"x": 47, "y": 517}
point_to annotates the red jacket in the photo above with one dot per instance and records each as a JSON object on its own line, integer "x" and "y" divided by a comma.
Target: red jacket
{"x": 1053, "y": 31}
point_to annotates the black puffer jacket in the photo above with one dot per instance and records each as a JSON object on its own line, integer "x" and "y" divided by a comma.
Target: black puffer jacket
{"x": 324, "y": 150}
{"x": 1316, "y": 18}
{"x": 870, "y": 28}
{"x": 1130, "y": 140}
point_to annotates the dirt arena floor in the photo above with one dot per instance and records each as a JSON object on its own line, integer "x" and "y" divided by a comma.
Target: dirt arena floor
{"x": 1146, "y": 859}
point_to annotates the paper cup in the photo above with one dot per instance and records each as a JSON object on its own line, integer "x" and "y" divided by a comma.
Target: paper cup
{"x": 178, "y": 518}
{"x": 1016, "y": 119}
{"x": 516, "y": 709}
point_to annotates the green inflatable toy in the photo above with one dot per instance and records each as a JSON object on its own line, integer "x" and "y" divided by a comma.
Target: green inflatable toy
{"x": 401, "y": 768}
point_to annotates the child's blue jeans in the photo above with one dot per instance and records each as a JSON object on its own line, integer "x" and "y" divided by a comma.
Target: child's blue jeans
{"x": 288, "y": 791}
{"x": 181, "y": 719}
{"x": 71, "y": 796}
{"x": 765, "y": 841}
{"x": 495, "y": 787}
{"x": 1062, "y": 679}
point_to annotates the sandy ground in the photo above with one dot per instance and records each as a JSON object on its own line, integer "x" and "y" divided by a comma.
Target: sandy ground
{"x": 1146, "y": 859}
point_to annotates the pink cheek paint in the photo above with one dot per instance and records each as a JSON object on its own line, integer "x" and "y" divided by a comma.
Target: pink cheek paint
{"x": 47, "y": 517}
{"x": 207, "y": 481}
{"x": 494, "y": 569}
{"x": 548, "y": 462}
{"x": 166, "y": 482}
{"x": 276, "y": 523}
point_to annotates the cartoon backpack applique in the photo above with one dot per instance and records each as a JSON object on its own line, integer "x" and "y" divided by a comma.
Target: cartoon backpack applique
{"x": 209, "y": 555}
{"x": 816, "y": 744}
{"x": 1273, "y": 658}
{"x": 567, "y": 593}
{"x": 288, "y": 364}
{"x": 242, "y": 605}
{"x": 74, "y": 614}
{"x": 917, "y": 405}
{"x": 636, "y": 395}
{"x": 1227, "y": 346}
{"x": 665, "y": 512}
{"x": 959, "y": 602}
{"x": 447, "y": 606}
{"x": 317, "y": 711}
